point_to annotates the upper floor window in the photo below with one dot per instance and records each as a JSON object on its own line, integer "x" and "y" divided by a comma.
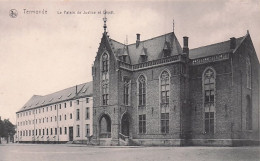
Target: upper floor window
{"x": 142, "y": 90}
{"x": 105, "y": 79}
{"x": 78, "y": 114}
{"x": 248, "y": 73}
{"x": 87, "y": 100}
{"x": 126, "y": 91}
{"x": 165, "y": 87}
{"x": 209, "y": 87}
{"x": 87, "y": 113}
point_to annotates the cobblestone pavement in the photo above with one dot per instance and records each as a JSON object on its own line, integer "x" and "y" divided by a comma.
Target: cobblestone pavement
{"x": 72, "y": 152}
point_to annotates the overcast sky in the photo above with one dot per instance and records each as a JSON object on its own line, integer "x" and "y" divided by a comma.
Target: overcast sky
{"x": 41, "y": 54}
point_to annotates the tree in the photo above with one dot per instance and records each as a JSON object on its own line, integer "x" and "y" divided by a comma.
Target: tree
{"x": 7, "y": 129}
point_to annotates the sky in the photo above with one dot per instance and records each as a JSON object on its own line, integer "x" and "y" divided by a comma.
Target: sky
{"x": 44, "y": 53}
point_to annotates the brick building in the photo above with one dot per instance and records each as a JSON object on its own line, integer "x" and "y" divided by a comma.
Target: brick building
{"x": 155, "y": 92}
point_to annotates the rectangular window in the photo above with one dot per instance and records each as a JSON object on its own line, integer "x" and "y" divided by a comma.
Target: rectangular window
{"x": 32, "y": 132}
{"x": 77, "y": 102}
{"x": 78, "y": 114}
{"x": 87, "y": 113}
{"x": 71, "y": 116}
{"x": 142, "y": 124}
{"x": 164, "y": 122}
{"x": 70, "y": 103}
{"x": 60, "y": 130}
{"x": 60, "y": 106}
{"x": 51, "y": 108}
{"x": 60, "y": 117}
{"x": 65, "y": 117}
{"x": 55, "y": 107}
{"x": 51, "y": 131}
{"x": 55, "y": 131}
{"x": 47, "y": 131}
{"x": 40, "y": 131}
{"x": 29, "y": 132}
{"x": 78, "y": 131}
{"x": 87, "y": 130}
{"x": 87, "y": 100}
{"x": 65, "y": 105}
{"x": 209, "y": 122}
{"x": 65, "y": 130}
{"x": 51, "y": 119}
{"x": 55, "y": 118}
{"x": 43, "y": 110}
{"x": 36, "y": 132}
{"x": 46, "y": 109}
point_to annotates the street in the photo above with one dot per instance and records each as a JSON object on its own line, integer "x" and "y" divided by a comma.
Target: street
{"x": 69, "y": 152}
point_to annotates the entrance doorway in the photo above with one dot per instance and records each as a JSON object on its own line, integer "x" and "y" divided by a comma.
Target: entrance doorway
{"x": 125, "y": 125}
{"x": 70, "y": 133}
{"x": 105, "y": 126}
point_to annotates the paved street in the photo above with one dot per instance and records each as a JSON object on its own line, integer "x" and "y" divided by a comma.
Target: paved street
{"x": 68, "y": 152}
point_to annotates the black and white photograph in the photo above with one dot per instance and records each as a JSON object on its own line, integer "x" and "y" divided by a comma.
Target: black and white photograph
{"x": 126, "y": 80}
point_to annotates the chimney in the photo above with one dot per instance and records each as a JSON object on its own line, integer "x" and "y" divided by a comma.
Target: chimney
{"x": 185, "y": 44}
{"x": 137, "y": 40}
{"x": 233, "y": 43}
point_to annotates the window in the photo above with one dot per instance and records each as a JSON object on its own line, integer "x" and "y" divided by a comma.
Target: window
{"x": 164, "y": 122}
{"x": 70, "y": 103}
{"x": 209, "y": 100}
{"x": 43, "y": 110}
{"x": 55, "y": 118}
{"x": 87, "y": 113}
{"x": 32, "y": 132}
{"x": 47, "y": 119}
{"x": 65, "y": 117}
{"x": 36, "y": 132}
{"x": 55, "y": 107}
{"x": 77, "y": 102}
{"x": 51, "y": 119}
{"x": 105, "y": 79}
{"x": 51, "y": 131}
{"x": 65, "y": 130}
{"x": 60, "y": 106}
{"x": 51, "y": 108}
{"x": 248, "y": 113}
{"x": 87, "y": 130}
{"x": 87, "y": 100}
{"x": 78, "y": 131}
{"x": 78, "y": 114}
{"x": 60, "y": 130}
{"x": 142, "y": 124}
{"x": 46, "y": 109}
{"x": 71, "y": 116}
{"x": 43, "y": 120}
{"x": 65, "y": 105}
{"x": 248, "y": 73}
{"x": 42, "y": 131}
{"x": 126, "y": 91}
{"x": 55, "y": 131}
{"x": 165, "y": 87}
{"x": 60, "y": 117}
{"x": 47, "y": 131}
{"x": 39, "y": 110}
{"x": 142, "y": 90}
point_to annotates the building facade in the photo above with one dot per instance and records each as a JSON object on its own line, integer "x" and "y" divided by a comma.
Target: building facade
{"x": 59, "y": 117}
{"x": 155, "y": 92}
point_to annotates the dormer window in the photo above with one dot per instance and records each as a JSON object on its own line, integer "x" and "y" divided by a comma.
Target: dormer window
{"x": 166, "y": 49}
{"x": 143, "y": 58}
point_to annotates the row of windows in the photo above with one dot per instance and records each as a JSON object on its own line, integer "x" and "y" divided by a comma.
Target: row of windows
{"x": 29, "y": 122}
{"x": 87, "y": 114}
{"x": 87, "y": 132}
{"x": 46, "y": 109}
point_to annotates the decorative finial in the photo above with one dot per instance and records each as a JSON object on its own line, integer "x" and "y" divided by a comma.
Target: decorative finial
{"x": 105, "y": 21}
{"x": 173, "y": 25}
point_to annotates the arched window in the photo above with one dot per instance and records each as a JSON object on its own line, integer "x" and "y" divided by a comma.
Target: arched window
{"x": 126, "y": 91}
{"x": 105, "y": 79}
{"x": 142, "y": 90}
{"x": 209, "y": 99}
{"x": 165, "y": 91}
{"x": 248, "y": 73}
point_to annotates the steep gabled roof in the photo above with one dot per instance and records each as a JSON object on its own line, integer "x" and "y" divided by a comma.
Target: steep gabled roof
{"x": 85, "y": 89}
{"x": 153, "y": 47}
{"x": 214, "y": 49}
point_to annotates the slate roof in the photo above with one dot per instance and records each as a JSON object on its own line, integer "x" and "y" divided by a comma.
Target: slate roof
{"x": 153, "y": 47}
{"x": 83, "y": 90}
{"x": 214, "y": 49}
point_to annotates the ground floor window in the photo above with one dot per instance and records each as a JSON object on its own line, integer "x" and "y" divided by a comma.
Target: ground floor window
{"x": 164, "y": 122}
{"x": 142, "y": 124}
{"x": 65, "y": 130}
{"x": 87, "y": 130}
{"x": 78, "y": 131}
{"x": 209, "y": 122}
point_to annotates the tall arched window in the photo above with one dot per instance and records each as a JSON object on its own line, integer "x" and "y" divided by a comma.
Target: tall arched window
{"x": 209, "y": 99}
{"x": 142, "y": 90}
{"x": 105, "y": 79}
{"x": 126, "y": 91}
{"x": 248, "y": 73}
{"x": 248, "y": 113}
{"x": 165, "y": 91}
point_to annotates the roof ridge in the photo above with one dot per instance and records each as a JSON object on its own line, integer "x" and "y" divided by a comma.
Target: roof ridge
{"x": 216, "y": 43}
